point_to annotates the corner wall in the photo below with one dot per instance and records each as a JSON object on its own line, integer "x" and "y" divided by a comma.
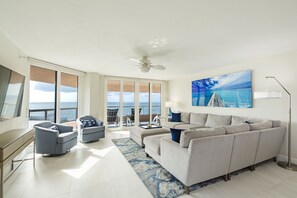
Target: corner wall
{"x": 9, "y": 57}
{"x": 283, "y": 67}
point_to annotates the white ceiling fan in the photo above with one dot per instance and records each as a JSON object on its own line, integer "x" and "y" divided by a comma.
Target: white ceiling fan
{"x": 145, "y": 65}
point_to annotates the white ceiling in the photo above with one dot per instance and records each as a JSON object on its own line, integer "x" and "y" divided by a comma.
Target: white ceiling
{"x": 100, "y": 36}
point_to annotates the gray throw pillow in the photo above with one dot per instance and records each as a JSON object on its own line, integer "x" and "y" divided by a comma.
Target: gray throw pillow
{"x": 217, "y": 120}
{"x": 185, "y": 117}
{"x": 186, "y": 136}
{"x": 238, "y": 120}
{"x": 237, "y": 128}
{"x": 261, "y": 125}
{"x": 198, "y": 119}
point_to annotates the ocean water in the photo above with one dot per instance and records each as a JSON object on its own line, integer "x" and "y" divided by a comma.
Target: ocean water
{"x": 241, "y": 98}
{"x": 70, "y": 115}
{"x": 47, "y": 110}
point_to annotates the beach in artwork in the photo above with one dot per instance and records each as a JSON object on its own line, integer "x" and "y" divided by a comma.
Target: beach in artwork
{"x": 230, "y": 90}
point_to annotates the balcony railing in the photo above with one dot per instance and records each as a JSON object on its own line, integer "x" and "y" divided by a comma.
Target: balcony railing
{"x": 67, "y": 114}
{"x": 144, "y": 117}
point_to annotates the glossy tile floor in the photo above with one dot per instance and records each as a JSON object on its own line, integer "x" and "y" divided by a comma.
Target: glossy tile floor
{"x": 99, "y": 170}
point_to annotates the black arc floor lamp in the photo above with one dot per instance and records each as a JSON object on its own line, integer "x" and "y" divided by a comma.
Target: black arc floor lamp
{"x": 287, "y": 165}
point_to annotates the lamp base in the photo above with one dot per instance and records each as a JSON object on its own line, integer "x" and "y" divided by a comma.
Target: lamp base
{"x": 284, "y": 165}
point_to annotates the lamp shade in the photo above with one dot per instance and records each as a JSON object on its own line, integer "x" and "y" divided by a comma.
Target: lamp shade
{"x": 168, "y": 104}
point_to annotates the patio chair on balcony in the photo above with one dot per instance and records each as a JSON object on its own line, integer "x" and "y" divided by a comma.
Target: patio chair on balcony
{"x": 112, "y": 116}
{"x": 132, "y": 116}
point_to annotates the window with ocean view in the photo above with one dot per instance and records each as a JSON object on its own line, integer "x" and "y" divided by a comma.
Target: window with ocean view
{"x": 68, "y": 97}
{"x": 42, "y": 94}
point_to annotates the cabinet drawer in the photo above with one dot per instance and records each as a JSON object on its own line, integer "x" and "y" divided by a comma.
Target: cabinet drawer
{"x": 7, "y": 151}
{"x": 28, "y": 136}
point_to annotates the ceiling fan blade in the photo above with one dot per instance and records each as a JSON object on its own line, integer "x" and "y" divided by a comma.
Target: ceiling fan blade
{"x": 159, "y": 67}
{"x": 135, "y": 60}
{"x": 161, "y": 53}
{"x": 140, "y": 51}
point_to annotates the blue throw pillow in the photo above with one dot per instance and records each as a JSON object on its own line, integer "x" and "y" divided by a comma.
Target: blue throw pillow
{"x": 175, "y": 117}
{"x": 54, "y": 127}
{"x": 175, "y": 134}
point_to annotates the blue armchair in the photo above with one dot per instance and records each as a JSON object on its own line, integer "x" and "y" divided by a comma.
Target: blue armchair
{"x": 90, "y": 129}
{"x": 54, "y": 139}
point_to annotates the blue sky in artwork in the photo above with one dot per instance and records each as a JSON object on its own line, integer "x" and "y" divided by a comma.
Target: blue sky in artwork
{"x": 227, "y": 81}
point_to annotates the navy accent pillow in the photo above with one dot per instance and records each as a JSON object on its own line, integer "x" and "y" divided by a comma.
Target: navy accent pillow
{"x": 54, "y": 127}
{"x": 94, "y": 123}
{"x": 175, "y": 134}
{"x": 89, "y": 123}
{"x": 175, "y": 117}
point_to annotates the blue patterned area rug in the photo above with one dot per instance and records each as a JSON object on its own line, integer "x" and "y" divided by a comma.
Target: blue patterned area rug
{"x": 157, "y": 179}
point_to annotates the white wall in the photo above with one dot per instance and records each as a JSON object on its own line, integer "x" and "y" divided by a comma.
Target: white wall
{"x": 93, "y": 96}
{"x": 9, "y": 57}
{"x": 283, "y": 67}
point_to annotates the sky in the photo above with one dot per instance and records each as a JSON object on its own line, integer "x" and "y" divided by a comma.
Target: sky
{"x": 45, "y": 92}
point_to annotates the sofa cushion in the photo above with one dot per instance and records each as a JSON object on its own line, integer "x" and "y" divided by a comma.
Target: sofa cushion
{"x": 175, "y": 117}
{"x": 65, "y": 137}
{"x": 175, "y": 134}
{"x": 238, "y": 120}
{"x": 241, "y": 119}
{"x": 153, "y": 142}
{"x": 198, "y": 119}
{"x": 94, "y": 129}
{"x": 171, "y": 124}
{"x": 261, "y": 125}
{"x": 186, "y": 136}
{"x": 185, "y": 117}
{"x": 217, "y": 120}
{"x": 188, "y": 126}
{"x": 276, "y": 123}
{"x": 237, "y": 128}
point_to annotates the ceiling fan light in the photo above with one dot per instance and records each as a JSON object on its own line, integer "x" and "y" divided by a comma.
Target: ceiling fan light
{"x": 144, "y": 69}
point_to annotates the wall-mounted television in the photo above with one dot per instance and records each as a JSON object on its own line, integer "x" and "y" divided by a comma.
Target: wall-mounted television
{"x": 11, "y": 93}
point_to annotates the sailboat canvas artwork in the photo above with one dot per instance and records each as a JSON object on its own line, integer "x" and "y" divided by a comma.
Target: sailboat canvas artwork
{"x": 230, "y": 90}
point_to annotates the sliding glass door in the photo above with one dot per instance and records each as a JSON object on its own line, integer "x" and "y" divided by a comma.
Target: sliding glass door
{"x": 130, "y": 103}
{"x": 156, "y": 103}
{"x": 144, "y": 103}
{"x": 113, "y": 103}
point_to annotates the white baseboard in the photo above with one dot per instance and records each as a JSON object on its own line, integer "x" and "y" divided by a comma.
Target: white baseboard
{"x": 281, "y": 157}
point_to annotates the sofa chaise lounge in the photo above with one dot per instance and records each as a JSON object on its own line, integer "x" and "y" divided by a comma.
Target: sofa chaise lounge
{"x": 216, "y": 146}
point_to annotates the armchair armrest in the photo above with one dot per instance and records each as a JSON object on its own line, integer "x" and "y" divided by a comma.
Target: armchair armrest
{"x": 63, "y": 128}
{"x": 46, "y": 138}
{"x": 175, "y": 158}
{"x": 99, "y": 122}
{"x": 79, "y": 125}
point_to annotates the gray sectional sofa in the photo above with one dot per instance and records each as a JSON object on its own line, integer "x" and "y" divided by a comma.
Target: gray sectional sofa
{"x": 215, "y": 145}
